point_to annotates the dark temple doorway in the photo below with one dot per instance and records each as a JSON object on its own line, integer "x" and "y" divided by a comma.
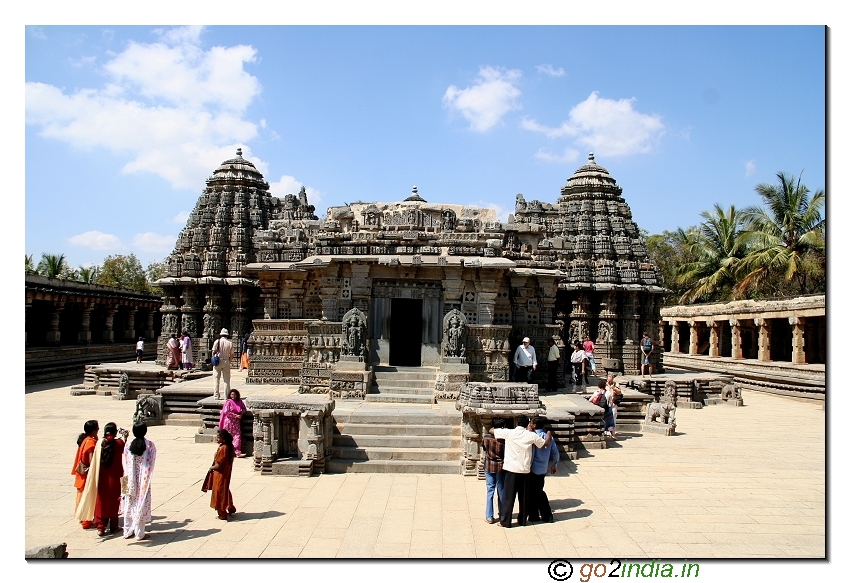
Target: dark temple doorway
{"x": 406, "y": 332}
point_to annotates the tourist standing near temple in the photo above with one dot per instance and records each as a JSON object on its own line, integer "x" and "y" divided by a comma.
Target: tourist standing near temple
{"x": 139, "y": 460}
{"x": 102, "y": 492}
{"x": 218, "y": 478}
{"x": 578, "y": 359}
{"x": 244, "y": 357}
{"x": 140, "y": 349}
{"x": 86, "y": 443}
{"x": 613, "y": 397}
{"x": 543, "y": 459}
{"x": 223, "y": 349}
{"x": 186, "y": 349}
{"x": 517, "y": 465}
{"x": 646, "y": 347}
{"x": 172, "y": 353}
{"x": 231, "y": 419}
{"x": 553, "y": 359}
{"x": 589, "y": 347}
{"x": 494, "y": 457}
{"x": 525, "y": 360}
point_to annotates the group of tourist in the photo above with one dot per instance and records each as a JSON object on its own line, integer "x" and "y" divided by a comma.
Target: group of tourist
{"x": 516, "y": 462}
{"x": 582, "y": 362}
{"x": 109, "y": 477}
{"x": 178, "y": 352}
{"x": 112, "y": 478}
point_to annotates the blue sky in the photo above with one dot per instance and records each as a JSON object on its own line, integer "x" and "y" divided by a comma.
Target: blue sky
{"x": 124, "y": 123}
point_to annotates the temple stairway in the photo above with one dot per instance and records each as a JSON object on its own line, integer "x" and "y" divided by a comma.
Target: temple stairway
{"x": 403, "y": 384}
{"x": 396, "y": 438}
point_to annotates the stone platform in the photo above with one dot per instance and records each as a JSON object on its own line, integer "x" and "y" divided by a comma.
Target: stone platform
{"x": 700, "y": 494}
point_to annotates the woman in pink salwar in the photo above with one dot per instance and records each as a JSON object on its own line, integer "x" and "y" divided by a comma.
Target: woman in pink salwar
{"x": 231, "y": 419}
{"x": 172, "y": 353}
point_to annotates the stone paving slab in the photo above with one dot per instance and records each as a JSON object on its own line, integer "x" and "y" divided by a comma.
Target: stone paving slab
{"x": 736, "y": 482}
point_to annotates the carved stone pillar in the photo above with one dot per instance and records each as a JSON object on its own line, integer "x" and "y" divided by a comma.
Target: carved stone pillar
{"x": 150, "y": 334}
{"x": 53, "y": 335}
{"x": 764, "y": 338}
{"x": 486, "y": 307}
{"x": 108, "y": 334}
{"x": 674, "y": 337}
{"x": 85, "y": 324}
{"x": 452, "y": 284}
{"x": 714, "y": 338}
{"x": 130, "y": 331}
{"x": 693, "y": 345}
{"x": 798, "y": 339}
{"x": 27, "y": 305}
{"x": 268, "y": 298}
{"x": 737, "y": 348}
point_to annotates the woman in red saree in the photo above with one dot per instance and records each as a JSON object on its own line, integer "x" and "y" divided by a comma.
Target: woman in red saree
{"x": 222, "y": 499}
{"x": 102, "y": 492}
{"x": 86, "y": 443}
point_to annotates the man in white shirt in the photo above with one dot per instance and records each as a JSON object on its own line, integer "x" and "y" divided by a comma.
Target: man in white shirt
{"x": 553, "y": 361}
{"x": 525, "y": 360}
{"x": 517, "y": 466}
{"x": 223, "y": 348}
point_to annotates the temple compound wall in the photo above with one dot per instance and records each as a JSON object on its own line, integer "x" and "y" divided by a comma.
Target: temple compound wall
{"x": 773, "y": 345}
{"x": 409, "y": 283}
{"x": 69, "y": 324}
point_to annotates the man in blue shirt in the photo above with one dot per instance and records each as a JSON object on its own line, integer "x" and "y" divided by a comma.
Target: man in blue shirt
{"x": 543, "y": 459}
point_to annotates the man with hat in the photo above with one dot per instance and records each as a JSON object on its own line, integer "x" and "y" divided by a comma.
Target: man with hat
{"x": 525, "y": 360}
{"x": 223, "y": 349}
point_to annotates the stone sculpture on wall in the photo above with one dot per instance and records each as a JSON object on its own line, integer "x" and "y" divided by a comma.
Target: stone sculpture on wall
{"x": 354, "y": 333}
{"x": 454, "y": 334}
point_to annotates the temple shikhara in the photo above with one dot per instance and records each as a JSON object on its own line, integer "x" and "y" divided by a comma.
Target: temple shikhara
{"x": 329, "y": 302}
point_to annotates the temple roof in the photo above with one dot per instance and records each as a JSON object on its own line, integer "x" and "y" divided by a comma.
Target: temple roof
{"x": 591, "y": 174}
{"x": 238, "y": 167}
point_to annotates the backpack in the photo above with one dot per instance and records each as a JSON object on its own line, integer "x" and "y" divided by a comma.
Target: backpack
{"x": 618, "y": 398}
{"x": 597, "y": 397}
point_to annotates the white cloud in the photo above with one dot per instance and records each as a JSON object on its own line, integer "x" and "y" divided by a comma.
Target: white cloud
{"x": 174, "y": 108}
{"x": 485, "y": 103}
{"x": 750, "y": 167}
{"x": 569, "y": 155}
{"x": 154, "y": 242}
{"x": 97, "y": 241}
{"x": 181, "y": 218}
{"x": 606, "y": 126}
{"x": 289, "y": 185}
{"x": 550, "y": 70}
{"x": 83, "y": 61}
{"x": 37, "y": 32}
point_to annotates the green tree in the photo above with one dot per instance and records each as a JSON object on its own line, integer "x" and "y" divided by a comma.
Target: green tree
{"x": 123, "y": 271}
{"x": 52, "y": 266}
{"x": 30, "y": 265}
{"x": 88, "y": 274}
{"x": 156, "y": 270}
{"x": 667, "y": 251}
{"x": 716, "y": 251}
{"x": 787, "y": 239}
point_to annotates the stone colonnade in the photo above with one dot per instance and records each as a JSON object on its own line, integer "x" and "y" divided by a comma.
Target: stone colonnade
{"x": 71, "y": 312}
{"x": 790, "y": 330}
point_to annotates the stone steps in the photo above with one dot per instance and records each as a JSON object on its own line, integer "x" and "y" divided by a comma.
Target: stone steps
{"x": 412, "y": 429}
{"x": 402, "y": 439}
{"x": 397, "y": 384}
{"x": 393, "y": 466}
{"x": 397, "y": 453}
{"x": 432, "y": 441}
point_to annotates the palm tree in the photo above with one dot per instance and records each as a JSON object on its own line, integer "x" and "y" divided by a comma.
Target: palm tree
{"x": 716, "y": 251}
{"x": 88, "y": 274}
{"x": 52, "y": 265}
{"x": 30, "y": 266}
{"x": 787, "y": 238}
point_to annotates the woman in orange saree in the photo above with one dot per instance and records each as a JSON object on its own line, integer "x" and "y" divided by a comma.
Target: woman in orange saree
{"x": 222, "y": 499}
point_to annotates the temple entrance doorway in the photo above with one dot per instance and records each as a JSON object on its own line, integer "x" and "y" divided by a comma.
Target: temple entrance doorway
{"x": 406, "y": 332}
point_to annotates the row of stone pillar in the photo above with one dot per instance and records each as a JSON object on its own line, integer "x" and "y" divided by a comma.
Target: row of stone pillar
{"x": 53, "y": 335}
{"x": 798, "y": 354}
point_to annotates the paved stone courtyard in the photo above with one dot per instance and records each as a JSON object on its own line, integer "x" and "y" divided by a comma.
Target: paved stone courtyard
{"x": 736, "y": 482}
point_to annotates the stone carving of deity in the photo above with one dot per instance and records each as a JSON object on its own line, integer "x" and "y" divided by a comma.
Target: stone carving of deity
{"x": 454, "y": 334}
{"x": 449, "y": 218}
{"x": 604, "y": 334}
{"x": 354, "y": 333}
